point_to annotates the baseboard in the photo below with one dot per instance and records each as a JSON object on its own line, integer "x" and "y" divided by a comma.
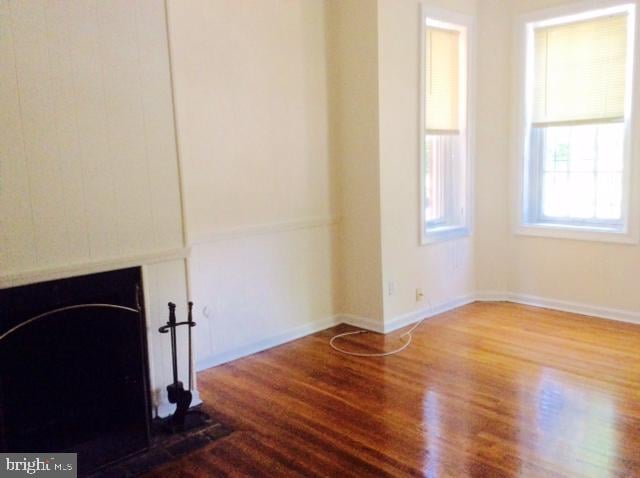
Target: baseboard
{"x": 426, "y": 313}
{"x": 619, "y": 315}
{"x": 259, "y": 346}
{"x": 361, "y": 322}
{"x": 491, "y": 296}
{"x": 405, "y": 319}
{"x": 408, "y": 319}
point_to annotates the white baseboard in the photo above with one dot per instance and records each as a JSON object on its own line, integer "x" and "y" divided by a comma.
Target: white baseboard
{"x": 311, "y": 328}
{"x": 413, "y": 317}
{"x": 259, "y": 346}
{"x": 426, "y": 313}
{"x": 577, "y": 308}
{"x": 361, "y": 322}
{"x": 492, "y": 296}
{"x": 405, "y": 319}
{"x": 619, "y": 315}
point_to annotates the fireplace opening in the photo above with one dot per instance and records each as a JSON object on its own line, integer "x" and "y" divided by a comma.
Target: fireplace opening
{"x": 74, "y": 374}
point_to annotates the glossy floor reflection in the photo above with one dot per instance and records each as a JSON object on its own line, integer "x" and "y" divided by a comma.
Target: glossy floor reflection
{"x": 487, "y": 390}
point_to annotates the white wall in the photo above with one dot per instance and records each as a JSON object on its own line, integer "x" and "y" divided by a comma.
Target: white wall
{"x": 88, "y": 158}
{"x": 251, "y": 99}
{"x": 374, "y": 64}
{"x": 352, "y": 44}
{"x": 257, "y": 290}
{"x": 444, "y": 271}
{"x": 591, "y": 273}
{"x": 250, "y": 88}
{"x": 494, "y": 262}
{"x": 493, "y": 100}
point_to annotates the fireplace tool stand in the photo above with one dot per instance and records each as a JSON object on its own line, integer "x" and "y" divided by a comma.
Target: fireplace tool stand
{"x": 182, "y": 419}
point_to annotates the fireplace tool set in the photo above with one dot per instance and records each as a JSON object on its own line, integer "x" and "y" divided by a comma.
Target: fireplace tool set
{"x": 183, "y": 418}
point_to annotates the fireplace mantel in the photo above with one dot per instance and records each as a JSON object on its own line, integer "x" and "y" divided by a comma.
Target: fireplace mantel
{"x": 164, "y": 280}
{"x": 14, "y": 279}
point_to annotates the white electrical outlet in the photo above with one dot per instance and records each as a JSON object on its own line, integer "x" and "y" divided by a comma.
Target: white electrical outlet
{"x": 419, "y": 295}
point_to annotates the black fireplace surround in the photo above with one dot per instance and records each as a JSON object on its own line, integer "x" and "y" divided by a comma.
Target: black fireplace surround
{"x": 76, "y": 378}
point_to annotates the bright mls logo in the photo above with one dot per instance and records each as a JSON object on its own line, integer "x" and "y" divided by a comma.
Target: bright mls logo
{"x": 39, "y": 464}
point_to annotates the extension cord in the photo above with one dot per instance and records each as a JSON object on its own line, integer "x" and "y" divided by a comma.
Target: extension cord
{"x": 381, "y": 354}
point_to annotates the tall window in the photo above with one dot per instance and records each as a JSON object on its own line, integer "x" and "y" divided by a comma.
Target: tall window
{"x": 445, "y": 167}
{"x": 579, "y": 72}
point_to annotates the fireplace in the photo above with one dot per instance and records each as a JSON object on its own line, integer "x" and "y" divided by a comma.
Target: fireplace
{"x": 74, "y": 373}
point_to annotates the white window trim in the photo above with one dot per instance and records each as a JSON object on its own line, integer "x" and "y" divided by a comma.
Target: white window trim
{"x": 451, "y": 20}
{"x": 630, "y": 234}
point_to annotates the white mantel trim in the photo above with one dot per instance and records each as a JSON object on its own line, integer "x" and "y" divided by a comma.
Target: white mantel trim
{"x": 13, "y": 279}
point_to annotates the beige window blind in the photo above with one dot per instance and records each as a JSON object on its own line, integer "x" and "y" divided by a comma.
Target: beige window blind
{"x": 580, "y": 72}
{"x": 442, "y": 81}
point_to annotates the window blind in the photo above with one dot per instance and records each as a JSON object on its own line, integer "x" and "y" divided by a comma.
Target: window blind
{"x": 442, "y": 81}
{"x": 580, "y": 72}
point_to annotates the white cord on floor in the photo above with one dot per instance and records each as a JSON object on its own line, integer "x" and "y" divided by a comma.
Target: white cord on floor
{"x": 408, "y": 333}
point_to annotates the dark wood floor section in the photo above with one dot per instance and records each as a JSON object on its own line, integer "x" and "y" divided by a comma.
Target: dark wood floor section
{"x": 487, "y": 390}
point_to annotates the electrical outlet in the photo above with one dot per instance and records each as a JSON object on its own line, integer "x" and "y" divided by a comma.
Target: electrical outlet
{"x": 419, "y": 295}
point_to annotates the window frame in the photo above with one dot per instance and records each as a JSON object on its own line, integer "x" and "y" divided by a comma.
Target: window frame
{"x": 466, "y": 25}
{"x": 524, "y": 197}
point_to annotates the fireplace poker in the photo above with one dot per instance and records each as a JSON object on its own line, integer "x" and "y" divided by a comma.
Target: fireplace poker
{"x": 191, "y": 324}
{"x": 174, "y": 351}
{"x": 175, "y": 391}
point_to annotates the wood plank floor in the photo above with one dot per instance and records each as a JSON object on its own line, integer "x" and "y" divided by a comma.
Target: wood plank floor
{"x": 487, "y": 390}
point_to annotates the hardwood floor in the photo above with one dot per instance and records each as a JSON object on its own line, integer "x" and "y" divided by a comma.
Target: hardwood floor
{"x": 487, "y": 390}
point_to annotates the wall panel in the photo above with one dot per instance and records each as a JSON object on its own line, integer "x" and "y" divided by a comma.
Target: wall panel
{"x": 88, "y": 162}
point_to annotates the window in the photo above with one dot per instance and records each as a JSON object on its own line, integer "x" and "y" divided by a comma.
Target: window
{"x": 445, "y": 166}
{"x": 577, "y": 122}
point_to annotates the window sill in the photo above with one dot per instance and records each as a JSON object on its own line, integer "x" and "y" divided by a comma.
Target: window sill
{"x": 579, "y": 233}
{"x": 445, "y": 233}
